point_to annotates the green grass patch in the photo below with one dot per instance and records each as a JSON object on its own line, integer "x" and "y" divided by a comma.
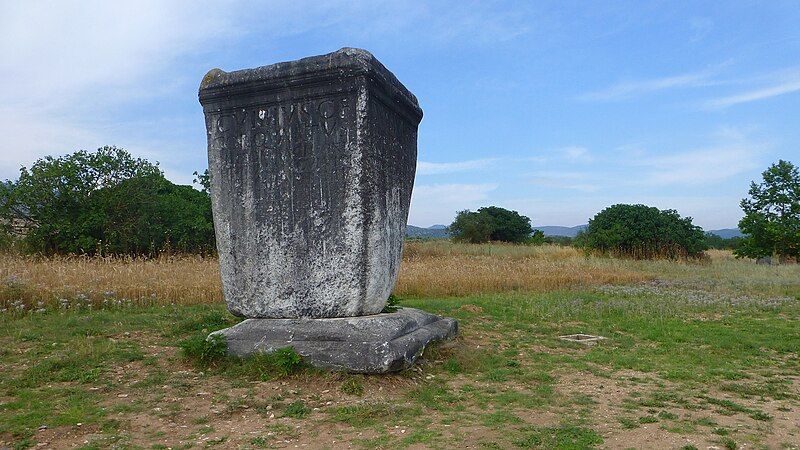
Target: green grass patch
{"x": 352, "y": 386}
{"x": 297, "y": 410}
{"x": 211, "y": 353}
{"x": 500, "y": 419}
{"x": 561, "y": 438}
{"x": 369, "y": 414}
{"x": 435, "y": 395}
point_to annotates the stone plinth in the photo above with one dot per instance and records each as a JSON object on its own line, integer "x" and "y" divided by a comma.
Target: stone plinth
{"x": 312, "y": 164}
{"x": 377, "y": 343}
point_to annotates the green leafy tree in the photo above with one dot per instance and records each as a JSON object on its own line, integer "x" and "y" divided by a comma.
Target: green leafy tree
{"x": 471, "y": 227}
{"x": 6, "y": 219}
{"x": 204, "y": 180}
{"x": 490, "y": 224}
{"x": 641, "y": 231}
{"x": 771, "y": 221}
{"x": 720, "y": 243}
{"x": 537, "y": 237}
{"x": 109, "y": 202}
{"x": 565, "y": 241}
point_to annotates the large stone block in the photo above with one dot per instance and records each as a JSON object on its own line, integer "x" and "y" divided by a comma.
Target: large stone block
{"x": 312, "y": 164}
{"x": 378, "y": 343}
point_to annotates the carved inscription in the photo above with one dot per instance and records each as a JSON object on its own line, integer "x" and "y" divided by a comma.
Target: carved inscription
{"x": 312, "y": 166}
{"x": 270, "y": 126}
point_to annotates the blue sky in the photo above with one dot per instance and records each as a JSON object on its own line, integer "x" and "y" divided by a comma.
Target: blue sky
{"x": 555, "y": 109}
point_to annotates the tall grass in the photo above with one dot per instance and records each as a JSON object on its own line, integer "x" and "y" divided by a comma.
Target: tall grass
{"x": 441, "y": 268}
{"x": 429, "y": 269}
{"x": 76, "y": 282}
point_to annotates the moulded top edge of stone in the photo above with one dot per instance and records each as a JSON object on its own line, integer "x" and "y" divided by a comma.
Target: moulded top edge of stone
{"x": 339, "y": 64}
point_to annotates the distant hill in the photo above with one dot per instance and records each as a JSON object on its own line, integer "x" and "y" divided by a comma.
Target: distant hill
{"x": 552, "y": 230}
{"x": 436, "y": 231}
{"x": 440, "y": 231}
{"x": 726, "y": 233}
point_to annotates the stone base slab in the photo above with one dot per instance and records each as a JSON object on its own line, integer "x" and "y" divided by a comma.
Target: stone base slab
{"x": 379, "y": 343}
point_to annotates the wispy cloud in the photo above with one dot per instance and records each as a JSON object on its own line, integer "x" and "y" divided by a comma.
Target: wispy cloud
{"x": 772, "y": 84}
{"x": 438, "y": 203}
{"x": 456, "y": 192}
{"x": 93, "y": 46}
{"x": 579, "y": 181}
{"x": 70, "y": 86}
{"x": 701, "y": 166}
{"x": 57, "y": 88}
{"x": 570, "y": 153}
{"x": 783, "y": 87}
{"x": 432, "y": 168}
{"x": 701, "y": 27}
{"x": 628, "y": 89}
{"x": 576, "y": 154}
{"x": 732, "y": 155}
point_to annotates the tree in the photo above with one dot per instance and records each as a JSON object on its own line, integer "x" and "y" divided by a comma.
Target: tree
{"x": 771, "y": 221}
{"x": 6, "y": 220}
{"x": 490, "y": 224}
{"x": 720, "y": 243}
{"x": 641, "y": 231}
{"x": 471, "y": 227}
{"x": 108, "y": 202}
{"x": 204, "y": 180}
{"x": 537, "y": 237}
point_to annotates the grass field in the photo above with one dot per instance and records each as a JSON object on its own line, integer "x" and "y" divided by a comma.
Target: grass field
{"x": 696, "y": 355}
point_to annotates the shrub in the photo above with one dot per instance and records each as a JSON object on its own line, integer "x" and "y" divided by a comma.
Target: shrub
{"x": 205, "y": 352}
{"x": 106, "y": 202}
{"x": 211, "y": 353}
{"x": 642, "y": 232}
{"x": 565, "y": 241}
{"x": 392, "y": 304}
{"x": 286, "y": 361}
{"x": 490, "y": 224}
{"x": 720, "y": 243}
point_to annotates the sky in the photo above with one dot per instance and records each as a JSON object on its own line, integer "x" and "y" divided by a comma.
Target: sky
{"x": 554, "y": 109}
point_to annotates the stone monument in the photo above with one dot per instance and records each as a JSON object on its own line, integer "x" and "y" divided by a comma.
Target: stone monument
{"x": 312, "y": 164}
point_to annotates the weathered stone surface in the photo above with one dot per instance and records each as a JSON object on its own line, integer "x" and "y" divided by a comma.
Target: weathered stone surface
{"x": 369, "y": 344}
{"x": 312, "y": 164}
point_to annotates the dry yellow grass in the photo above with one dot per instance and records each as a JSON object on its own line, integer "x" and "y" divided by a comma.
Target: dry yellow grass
{"x": 440, "y": 268}
{"x": 165, "y": 280}
{"x": 429, "y": 269}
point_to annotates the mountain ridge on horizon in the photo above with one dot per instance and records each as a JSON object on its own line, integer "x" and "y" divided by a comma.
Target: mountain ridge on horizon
{"x": 440, "y": 231}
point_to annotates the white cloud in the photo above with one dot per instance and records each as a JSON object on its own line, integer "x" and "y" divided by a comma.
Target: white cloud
{"x": 576, "y": 154}
{"x": 438, "y": 203}
{"x": 431, "y": 168}
{"x": 701, "y": 27}
{"x": 25, "y": 137}
{"x": 70, "y": 68}
{"x": 578, "y": 181}
{"x": 773, "y": 84}
{"x": 781, "y": 88}
{"x": 55, "y": 53}
{"x": 732, "y": 155}
{"x": 701, "y": 166}
{"x": 66, "y": 64}
{"x": 629, "y": 89}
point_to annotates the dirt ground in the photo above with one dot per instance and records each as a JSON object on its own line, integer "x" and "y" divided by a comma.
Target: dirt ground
{"x": 194, "y": 410}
